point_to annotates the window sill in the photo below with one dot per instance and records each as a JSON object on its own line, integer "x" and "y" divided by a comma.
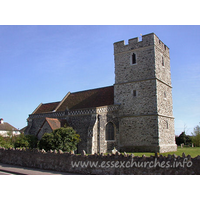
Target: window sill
{"x": 110, "y": 140}
{"x": 133, "y": 64}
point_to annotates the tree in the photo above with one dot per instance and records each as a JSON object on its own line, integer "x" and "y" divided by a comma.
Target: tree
{"x": 64, "y": 139}
{"x": 188, "y": 140}
{"x": 21, "y": 142}
{"x": 183, "y": 138}
{"x": 196, "y": 136}
{"x": 47, "y": 142}
{"x": 32, "y": 140}
{"x": 27, "y": 141}
{"x": 5, "y": 142}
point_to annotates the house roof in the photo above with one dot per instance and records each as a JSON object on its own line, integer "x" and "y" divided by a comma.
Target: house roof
{"x": 7, "y": 127}
{"x": 78, "y": 100}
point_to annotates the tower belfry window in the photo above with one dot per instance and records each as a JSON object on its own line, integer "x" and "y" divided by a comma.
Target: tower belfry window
{"x": 133, "y": 59}
{"x": 163, "y": 63}
{"x": 166, "y": 124}
{"x": 165, "y": 95}
{"x": 134, "y": 93}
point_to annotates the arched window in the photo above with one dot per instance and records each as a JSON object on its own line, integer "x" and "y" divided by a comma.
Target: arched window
{"x": 133, "y": 59}
{"x": 110, "y": 132}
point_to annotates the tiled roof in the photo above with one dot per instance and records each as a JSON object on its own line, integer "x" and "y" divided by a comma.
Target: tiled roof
{"x": 23, "y": 129}
{"x": 88, "y": 99}
{"x": 7, "y": 127}
{"x": 78, "y": 100}
{"x": 53, "y": 123}
{"x": 47, "y": 107}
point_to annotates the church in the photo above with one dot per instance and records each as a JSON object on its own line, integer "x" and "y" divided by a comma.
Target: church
{"x": 134, "y": 114}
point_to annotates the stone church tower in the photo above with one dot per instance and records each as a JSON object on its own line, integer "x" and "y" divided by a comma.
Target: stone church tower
{"x": 143, "y": 90}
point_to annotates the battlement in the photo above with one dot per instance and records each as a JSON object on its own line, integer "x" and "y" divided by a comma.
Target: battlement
{"x": 134, "y": 43}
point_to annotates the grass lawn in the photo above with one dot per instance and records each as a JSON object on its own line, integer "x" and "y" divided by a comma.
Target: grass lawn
{"x": 193, "y": 151}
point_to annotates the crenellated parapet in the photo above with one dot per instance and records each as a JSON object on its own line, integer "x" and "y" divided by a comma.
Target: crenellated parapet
{"x": 134, "y": 43}
{"x": 160, "y": 45}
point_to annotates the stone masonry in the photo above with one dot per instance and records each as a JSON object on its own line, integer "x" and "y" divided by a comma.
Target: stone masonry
{"x": 112, "y": 164}
{"x": 143, "y": 90}
{"x": 135, "y": 114}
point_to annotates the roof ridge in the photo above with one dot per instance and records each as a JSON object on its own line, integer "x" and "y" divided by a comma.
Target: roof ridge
{"x": 91, "y": 89}
{"x": 6, "y": 125}
{"x": 50, "y": 102}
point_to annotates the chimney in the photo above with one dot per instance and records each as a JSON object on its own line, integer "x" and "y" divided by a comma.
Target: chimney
{"x": 1, "y": 121}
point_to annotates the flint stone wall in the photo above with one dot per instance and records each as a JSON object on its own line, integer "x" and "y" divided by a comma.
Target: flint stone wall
{"x": 62, "y": 162}
{"x": 146, "y": 121}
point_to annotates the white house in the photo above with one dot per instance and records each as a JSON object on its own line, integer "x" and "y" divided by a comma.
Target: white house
{"x": 6, "y": 128}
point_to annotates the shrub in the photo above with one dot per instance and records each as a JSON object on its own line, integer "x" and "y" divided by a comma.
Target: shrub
{"x": 196, "y": 136}
{"x": 64, "y": 139}
{"x": 183, "y": 138}
{"x": 32, "y": 140}
{"x": 4, "y": 142}
{"x": 27, "y": 141}
{"x": 47, "y": 142}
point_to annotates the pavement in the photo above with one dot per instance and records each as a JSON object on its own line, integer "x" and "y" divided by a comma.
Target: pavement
{"x": 6, "y": 169}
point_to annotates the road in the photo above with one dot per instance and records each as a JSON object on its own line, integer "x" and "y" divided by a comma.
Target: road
{"x": 5, "y": 173}
{"x": 6, "y": 169}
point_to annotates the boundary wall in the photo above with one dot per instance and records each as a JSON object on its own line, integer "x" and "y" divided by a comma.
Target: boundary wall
{"x": 110, "y": 164}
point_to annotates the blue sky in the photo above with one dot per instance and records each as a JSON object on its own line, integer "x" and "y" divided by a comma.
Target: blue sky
{"x": 43, "y": 63}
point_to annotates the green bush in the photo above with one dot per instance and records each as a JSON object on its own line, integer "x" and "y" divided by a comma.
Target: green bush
{"x": 183, "y": 138}
{"x": 47, "y": 142}
{"x": 19, "y": 141}
{"x": 5, "y": 142}
{"x": 32, "y": 140}
{"x": 64, "y": 139}
{"x": 27, "y": 141}
{"x": 196, "y": 136}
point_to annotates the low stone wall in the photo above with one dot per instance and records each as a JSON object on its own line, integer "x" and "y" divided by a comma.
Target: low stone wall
{"x": 101, "y": 164}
